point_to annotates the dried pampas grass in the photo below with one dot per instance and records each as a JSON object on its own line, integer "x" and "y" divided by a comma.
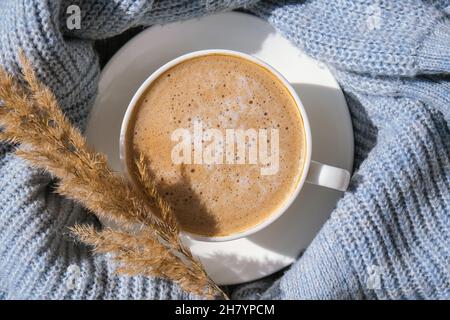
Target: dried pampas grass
{"x": 31, "y": 118}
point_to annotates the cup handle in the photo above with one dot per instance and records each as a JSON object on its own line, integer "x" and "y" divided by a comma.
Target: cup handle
{"x": 328, "y": 176}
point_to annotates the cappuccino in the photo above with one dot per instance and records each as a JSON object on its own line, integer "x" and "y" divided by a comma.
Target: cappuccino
{"x": 225, "y": 141}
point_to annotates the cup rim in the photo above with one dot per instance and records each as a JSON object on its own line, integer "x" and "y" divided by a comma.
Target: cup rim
{"x": 302, "y": 178}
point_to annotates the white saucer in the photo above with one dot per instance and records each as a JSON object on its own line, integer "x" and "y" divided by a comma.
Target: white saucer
{"x": 279, "y": 244}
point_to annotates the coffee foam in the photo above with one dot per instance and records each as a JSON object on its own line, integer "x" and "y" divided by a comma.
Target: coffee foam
{"x": 222, "y": 92}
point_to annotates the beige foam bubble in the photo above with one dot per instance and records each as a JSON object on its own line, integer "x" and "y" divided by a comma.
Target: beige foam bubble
{"x": 223, "y": 92}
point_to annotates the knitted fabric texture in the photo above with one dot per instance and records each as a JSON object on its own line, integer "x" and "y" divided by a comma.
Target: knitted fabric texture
{"x": 389, "y": 236}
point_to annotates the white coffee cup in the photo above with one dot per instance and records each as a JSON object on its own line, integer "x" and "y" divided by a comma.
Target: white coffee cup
{"x": 313, "y": 172}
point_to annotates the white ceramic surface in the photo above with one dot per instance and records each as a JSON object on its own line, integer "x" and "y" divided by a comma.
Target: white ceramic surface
{"x": 319, "y": 174}
{"x": 279, "y": 244}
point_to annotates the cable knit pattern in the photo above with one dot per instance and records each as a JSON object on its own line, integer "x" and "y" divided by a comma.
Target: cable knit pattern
{"x": 389, "y": 236}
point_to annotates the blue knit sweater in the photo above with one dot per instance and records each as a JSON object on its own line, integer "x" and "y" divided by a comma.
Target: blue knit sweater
{"x": 389, "y": 236}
